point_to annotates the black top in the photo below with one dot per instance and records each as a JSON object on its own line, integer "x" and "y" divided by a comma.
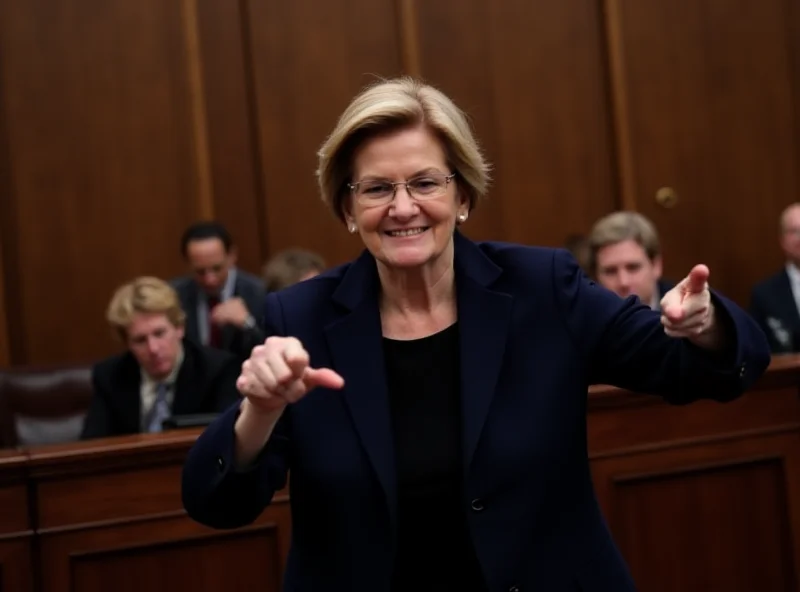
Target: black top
{"x": 434, "y": 548}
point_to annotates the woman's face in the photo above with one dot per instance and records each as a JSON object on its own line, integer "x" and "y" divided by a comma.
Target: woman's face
{"x": 405, "y": 232}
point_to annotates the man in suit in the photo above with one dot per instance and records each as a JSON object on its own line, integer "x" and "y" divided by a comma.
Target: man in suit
{"x": 625, "y": 257}
{"x": 161, "y": 374}
{"x": 775, "y": 301}
{"x": 223, "y": 304}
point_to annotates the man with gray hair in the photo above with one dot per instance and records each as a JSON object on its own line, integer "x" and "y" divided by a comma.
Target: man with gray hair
{"x": 775, "y": 302}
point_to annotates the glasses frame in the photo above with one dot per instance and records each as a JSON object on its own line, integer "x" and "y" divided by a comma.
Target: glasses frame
{"x": 353, "y": 187}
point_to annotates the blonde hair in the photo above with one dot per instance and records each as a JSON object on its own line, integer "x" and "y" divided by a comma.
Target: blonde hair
{"x": 396, "y": 104}
{"x": 289, "y": 266}
{"x": 621, "y": 226}
{"x": 149, "y": 295}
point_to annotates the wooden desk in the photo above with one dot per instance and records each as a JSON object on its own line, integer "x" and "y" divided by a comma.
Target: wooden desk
{"x": 16, "y": 530}
{"x": 704, "y": 496}
{"x": 109, "y": 518}
{"x": 699, "y": 497}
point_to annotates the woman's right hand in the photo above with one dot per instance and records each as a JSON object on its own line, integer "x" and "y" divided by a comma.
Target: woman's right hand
{"x": 278, "y": 373}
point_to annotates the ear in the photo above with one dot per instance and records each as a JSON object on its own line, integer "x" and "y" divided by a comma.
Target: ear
{"x": 233, "y": 255}
{"x": 463, "y": 201}
{"x": 462, "y": 211}
{"x": 180, "y": 331}
{"x": 347, "y": 213}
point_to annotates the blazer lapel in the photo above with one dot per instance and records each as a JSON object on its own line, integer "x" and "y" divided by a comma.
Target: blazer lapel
{"x": 355, "y": 344}
{"x": 484, "y": 319}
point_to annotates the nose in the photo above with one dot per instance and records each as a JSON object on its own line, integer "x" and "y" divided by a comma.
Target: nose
{"x": 403, "y": 204}
{"x": 152, "y": 346}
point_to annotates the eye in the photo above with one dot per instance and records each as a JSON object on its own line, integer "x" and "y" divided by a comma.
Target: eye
{"x": 375, "y": 188}
{"x": 424, "y": 184}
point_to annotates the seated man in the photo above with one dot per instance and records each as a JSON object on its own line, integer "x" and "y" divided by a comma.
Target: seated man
{"x": 775, "y": 301}
{"x": 224, "y": 304}
{"x": 291, "y": 266}
{"x": 625, "y": 257}
{"x": 161, "y": 374}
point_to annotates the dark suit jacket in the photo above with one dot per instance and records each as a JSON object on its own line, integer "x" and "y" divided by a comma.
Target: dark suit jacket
{"x": 773, "y": 307}
{"x": 206, "y": 383}
{"x": 534, "y": 334}
{"x": 239, "y": 342}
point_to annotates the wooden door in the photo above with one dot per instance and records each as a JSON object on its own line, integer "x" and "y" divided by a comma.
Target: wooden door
{"x": 531, "y": 76}
{"x": 706, "y": 101}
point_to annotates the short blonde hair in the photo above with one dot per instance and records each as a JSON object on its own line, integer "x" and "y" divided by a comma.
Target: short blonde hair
{"x": 289, "y": 266}
{"x": 396, "y": 104}
{"x": 621, "y": 226}
{"x": 149, "y": 295}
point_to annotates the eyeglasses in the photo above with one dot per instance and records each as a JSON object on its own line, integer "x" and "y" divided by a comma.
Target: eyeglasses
{"x": 374, "y": 193}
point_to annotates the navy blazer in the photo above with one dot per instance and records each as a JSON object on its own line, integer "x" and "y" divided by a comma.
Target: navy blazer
{"x": 535, "y": 332}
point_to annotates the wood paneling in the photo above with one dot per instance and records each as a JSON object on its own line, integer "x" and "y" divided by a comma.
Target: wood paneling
{"x": 5, "y": 353}
{"x": 16, "y": 530}
{"x": 100, "y": 118}
{"x": 308, "y": 60}
{"x": 122, "y": 122}
{"x": 233, "y": 145}
{"x": 741, "y": 503}
{"x": 533, "y": 82}
{"x": 6, "y": 258}
{"x": 706, "y": 102}
{"x": 109, "y": 515}
{"x": 703, "y": 496}
{"x": 159, "y": 566}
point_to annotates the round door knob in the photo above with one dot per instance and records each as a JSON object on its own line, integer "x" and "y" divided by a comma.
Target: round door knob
{"x": 666, "y": 197}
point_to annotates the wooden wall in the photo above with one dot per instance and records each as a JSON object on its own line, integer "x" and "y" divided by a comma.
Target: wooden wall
{"x": 121, "y": 122}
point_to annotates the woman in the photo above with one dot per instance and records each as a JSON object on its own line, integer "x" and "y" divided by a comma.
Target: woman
{"x": 429, "y": 398}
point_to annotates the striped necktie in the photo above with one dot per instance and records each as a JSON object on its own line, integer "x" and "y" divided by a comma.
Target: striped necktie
{"x": 160, "y": 409}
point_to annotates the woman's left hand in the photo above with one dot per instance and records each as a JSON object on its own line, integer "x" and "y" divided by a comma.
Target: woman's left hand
{"x": 687, "y": 311}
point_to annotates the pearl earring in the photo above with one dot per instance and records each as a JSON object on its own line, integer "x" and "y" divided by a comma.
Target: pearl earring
{"x": 352, "y": 227}
{"x": 462, "y": 218}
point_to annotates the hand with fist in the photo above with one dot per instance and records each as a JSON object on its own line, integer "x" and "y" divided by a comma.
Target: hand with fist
{"x": 276, "y": 374}
{"x": 687, "y": 311}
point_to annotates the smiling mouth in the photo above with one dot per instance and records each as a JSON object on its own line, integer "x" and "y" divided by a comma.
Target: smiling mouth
{"x": 406, "y": 232}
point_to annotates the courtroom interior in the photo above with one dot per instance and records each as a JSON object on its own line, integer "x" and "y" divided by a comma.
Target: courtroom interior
{"x": 158, "y": 183}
